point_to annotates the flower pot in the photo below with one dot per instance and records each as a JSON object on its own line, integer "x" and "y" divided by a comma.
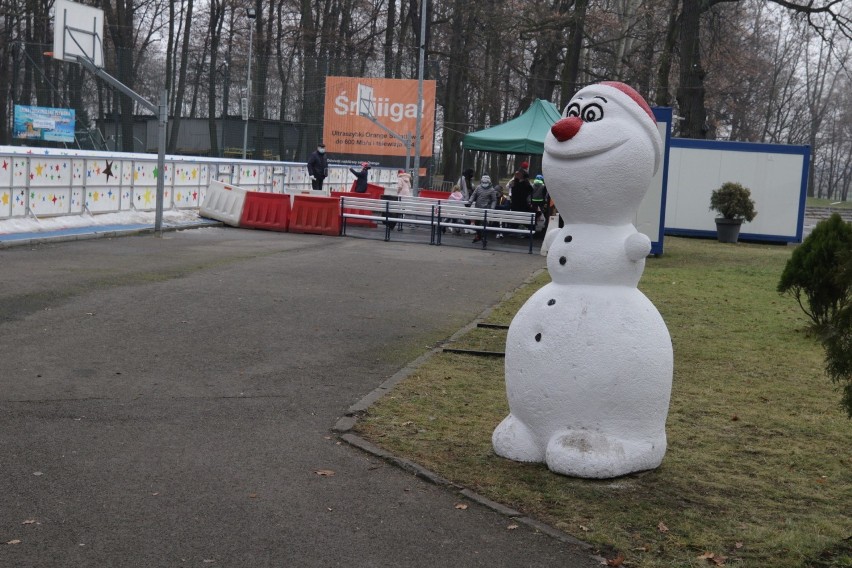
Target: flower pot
{"x": 728, "y": 230}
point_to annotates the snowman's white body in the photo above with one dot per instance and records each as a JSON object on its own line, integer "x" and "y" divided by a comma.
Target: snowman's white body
{"x": 588, "y": 357}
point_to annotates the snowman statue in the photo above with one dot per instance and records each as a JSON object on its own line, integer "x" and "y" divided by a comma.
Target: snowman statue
{"x": 588, "y": 357}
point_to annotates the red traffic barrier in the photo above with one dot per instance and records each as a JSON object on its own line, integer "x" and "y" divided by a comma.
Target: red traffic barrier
{"x": 434, "y": 194}
{"x": 315, "y": 215}
{"x": 373, "y": 191}
{"x": 270, "y": 211}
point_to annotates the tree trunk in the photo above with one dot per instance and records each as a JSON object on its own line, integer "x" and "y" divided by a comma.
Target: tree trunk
{"x": 215, "y": 32}
{"x": 690, "y": 91}
{"x": 263, "y": 35}
{"x": 312, "y": 105}
{"x": 286, "y": 74}
{"x": 455, "y": 99}
{"x": 6, "y": 77}
{"x": 181, "y": 81}
{"x": 664, "y": 95}
{"x": 545, "y": 61}
{"x": 571, "y": 68}
{"x": 119, "y": 22}
{"x": 390, "y": 28}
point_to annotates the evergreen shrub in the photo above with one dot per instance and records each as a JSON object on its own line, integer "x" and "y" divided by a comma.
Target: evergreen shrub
{"x": 733, "y": 201}
{"x": 816, "y": 276}
{"x": 837, "y": 341}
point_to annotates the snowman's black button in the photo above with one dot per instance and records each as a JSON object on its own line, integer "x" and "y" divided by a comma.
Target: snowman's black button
{"x": 569, "y": 238}
{"x": 538, "y": 337}
{"x": 562, "y": 260}
{"x": 551, "y": 302}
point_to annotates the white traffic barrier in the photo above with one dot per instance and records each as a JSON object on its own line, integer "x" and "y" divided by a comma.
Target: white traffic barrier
{"x": 224, "y": 202}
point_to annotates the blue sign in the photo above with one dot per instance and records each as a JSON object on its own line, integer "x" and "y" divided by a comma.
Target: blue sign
{"x": 44, "y": 123}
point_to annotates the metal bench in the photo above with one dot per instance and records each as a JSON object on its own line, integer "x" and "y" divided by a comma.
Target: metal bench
{"x": 438, "y": 215}
{"x": 456, "y": 216}
{"x": 388, "y": 212}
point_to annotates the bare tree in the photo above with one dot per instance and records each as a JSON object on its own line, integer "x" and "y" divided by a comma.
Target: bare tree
{"x": 180, "y": 92}
{"x": 691, "y": 93}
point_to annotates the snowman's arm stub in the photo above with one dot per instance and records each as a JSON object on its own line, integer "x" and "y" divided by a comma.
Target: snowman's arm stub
{"x": 637, "y": 246}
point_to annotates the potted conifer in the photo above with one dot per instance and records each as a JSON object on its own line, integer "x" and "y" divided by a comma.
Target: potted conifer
{"x": 735, "y": 205}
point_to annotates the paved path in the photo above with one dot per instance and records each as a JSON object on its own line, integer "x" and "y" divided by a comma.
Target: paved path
{"x": 167, "y": 402}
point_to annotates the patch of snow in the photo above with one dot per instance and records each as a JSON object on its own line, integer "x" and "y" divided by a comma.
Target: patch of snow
{"x": 32, "y": 225}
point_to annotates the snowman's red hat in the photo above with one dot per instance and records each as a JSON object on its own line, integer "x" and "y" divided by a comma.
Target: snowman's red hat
{"x": 650, "y": 126}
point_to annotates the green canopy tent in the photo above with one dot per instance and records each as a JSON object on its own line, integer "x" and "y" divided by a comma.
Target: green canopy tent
{"x": 522, "y": 135}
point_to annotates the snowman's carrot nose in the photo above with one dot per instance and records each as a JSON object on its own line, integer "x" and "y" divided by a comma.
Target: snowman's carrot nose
{"x": 566, "y": 128}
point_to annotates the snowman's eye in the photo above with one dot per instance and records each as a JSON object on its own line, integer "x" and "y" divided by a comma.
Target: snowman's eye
{"x": 592, "y": 112}
{"x": 572, "y": 110}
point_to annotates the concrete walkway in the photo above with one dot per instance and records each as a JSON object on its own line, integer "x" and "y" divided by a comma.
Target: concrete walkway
{"x": 169, "y": 402}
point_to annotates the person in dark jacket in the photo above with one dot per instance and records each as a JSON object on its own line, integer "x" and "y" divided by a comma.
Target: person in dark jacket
{"x": 520, "y": 191}
{"x": 361, "y": 177}
{"x": 318, "y": 167}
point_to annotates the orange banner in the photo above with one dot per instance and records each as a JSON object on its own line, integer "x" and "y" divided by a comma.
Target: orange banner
{"x": 357, "y": 109}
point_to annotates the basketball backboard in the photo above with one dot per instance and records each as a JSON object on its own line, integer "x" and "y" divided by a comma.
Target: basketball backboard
{"x": 366, "y": 102}
{"x": 78, "y": 31}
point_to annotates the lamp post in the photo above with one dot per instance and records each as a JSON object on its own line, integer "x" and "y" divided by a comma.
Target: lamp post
{"x": 424, "y": 5}
{"x": 225, "y": 70}
{"x": 251, "y": 14}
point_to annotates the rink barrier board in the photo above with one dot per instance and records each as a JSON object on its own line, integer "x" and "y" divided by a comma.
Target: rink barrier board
{"x": 45, "y": 182}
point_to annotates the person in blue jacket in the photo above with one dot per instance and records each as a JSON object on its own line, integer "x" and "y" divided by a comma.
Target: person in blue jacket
{"x": 361, "y": 177}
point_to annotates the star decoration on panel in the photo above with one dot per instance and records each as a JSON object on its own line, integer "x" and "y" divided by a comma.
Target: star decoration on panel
{"x": 107, "y": 171}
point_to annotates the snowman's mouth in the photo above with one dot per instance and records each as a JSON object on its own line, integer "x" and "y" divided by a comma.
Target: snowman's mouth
{"x": 568, "y": 153}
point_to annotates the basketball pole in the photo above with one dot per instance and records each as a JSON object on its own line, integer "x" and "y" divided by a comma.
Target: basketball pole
{"x": 163, "y": 117}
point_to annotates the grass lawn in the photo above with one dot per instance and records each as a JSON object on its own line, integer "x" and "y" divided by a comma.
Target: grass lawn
{"x": 757, "y": 471}
{"x": 814, "y": 202}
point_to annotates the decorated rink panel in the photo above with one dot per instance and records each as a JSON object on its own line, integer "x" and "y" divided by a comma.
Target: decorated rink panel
{"x": 296, "y": 179}
{"x": 186, "y": 185}
{"x": 6, "y": 196}
{"x": 78, "y": 185}
{"x": 50, "y": 186}
{"x": 20, "y": 185}
{"x": 248, "y": 176}
{"x": 338, "y": 179}
{"x": 277, "y": 180}
{"x": 205, "y": 174}
{"x": 103, "y": 185}
{"x": 140, "y": 185}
